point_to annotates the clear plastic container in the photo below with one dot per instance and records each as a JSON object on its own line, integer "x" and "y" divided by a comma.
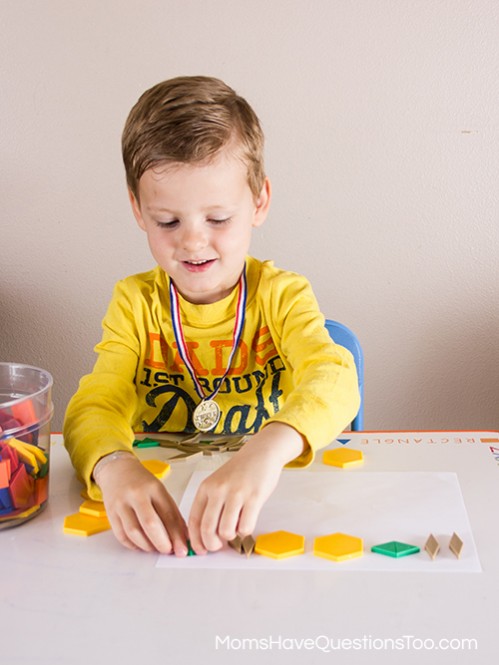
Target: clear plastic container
{"x": 25, "y": 414}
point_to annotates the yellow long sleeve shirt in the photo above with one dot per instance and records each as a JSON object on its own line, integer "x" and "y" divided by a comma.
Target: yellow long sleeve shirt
{"x": 286, "y": 368}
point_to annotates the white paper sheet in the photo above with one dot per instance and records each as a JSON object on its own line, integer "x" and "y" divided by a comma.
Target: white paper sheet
{"x": 377, "y": 507}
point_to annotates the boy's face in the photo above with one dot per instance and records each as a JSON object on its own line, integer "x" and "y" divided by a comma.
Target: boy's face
{"x": 198, "y": 220}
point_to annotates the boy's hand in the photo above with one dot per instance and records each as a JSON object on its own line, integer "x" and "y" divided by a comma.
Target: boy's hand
{"x": 141, "y": 512}
{"x": 229, "y": 501}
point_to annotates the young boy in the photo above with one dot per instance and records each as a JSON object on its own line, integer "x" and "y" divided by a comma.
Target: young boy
{"x": 209, "y": 340}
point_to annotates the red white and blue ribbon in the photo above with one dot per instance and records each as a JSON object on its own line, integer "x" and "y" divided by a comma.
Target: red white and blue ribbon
{"x": 236, "y": 335}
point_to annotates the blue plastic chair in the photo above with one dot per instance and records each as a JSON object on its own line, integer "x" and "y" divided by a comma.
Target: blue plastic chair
{"x": 345, "y": 337}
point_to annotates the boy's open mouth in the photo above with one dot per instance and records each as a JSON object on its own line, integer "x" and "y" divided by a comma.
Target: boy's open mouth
{"x": 195, "y": 266}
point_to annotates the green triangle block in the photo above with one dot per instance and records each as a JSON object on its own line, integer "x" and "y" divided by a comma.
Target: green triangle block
{"x": 395, "y": 549}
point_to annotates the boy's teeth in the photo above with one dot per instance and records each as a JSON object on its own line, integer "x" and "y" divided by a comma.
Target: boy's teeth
{"x": 198, "y": 263}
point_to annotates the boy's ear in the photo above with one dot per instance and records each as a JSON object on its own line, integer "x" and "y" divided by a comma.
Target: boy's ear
{"x": 263, "y": 204}
{"x": 136, "y": 209}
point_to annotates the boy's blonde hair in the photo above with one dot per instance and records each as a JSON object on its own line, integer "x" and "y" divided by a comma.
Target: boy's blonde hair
{"x": 188, "y": 120}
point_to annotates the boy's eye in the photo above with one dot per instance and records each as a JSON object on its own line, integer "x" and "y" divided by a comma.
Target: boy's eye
{"x": 167, "y": 225}
{"x": 216, "y": 221}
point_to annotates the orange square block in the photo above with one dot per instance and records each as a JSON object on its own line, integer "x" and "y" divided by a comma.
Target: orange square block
{"x": 41, "y": 489}
{"x": 4, "y": 473}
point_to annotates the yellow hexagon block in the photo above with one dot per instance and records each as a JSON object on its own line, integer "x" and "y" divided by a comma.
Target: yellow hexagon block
{"x": 338, "y": 547}
{"x": 343, "y": 457}
{"x": 156, "y": 467}
{"x": 94, "y": 508}
{"x": 85, "y": 525}
{"x": 280, "y": 544}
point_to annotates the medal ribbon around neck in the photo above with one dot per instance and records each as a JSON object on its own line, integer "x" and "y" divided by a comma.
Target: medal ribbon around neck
{"x": 206, "y": 424}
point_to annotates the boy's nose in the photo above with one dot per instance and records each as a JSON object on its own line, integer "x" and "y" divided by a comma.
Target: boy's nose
{"x": 193, "y": 239}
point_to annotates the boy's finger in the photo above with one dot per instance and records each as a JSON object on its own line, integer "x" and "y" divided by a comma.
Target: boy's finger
{"x": 119, "y": 533}
{"x": 153, "y": 528}
{"x": 203, "y": 523}
{"x": 248, "y": 518}
{"x": 176, "y": 527}
{"x": 209, "y": 524}
{"x": 195, "y": 517}
{"x": 179, "y": 544}
{"x": 134, "y": 532}
{"x": 228, "y": 526}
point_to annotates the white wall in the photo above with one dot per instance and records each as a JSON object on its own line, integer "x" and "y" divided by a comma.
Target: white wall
{"x": 382, "y": 124}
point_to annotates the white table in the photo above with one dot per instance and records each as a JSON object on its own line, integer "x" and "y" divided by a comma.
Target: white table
{"x": 69, "y": 600}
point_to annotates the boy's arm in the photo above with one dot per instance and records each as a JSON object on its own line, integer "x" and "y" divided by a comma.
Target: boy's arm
{"x": 99, "y": 416}
{"x": 98, "y": 423}
{"x": 325, "y": 397}
{"x": 323, "y": 402}
{"x": 93, "y": 430}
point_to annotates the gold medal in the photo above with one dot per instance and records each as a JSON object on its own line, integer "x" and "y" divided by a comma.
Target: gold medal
{"x": 206, "y": 415}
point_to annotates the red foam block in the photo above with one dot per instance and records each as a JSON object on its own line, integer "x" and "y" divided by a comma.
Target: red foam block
{"x": 6, "y": 452}
{"x": 21, "y": 488}
{"x": 24, "y": 412}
